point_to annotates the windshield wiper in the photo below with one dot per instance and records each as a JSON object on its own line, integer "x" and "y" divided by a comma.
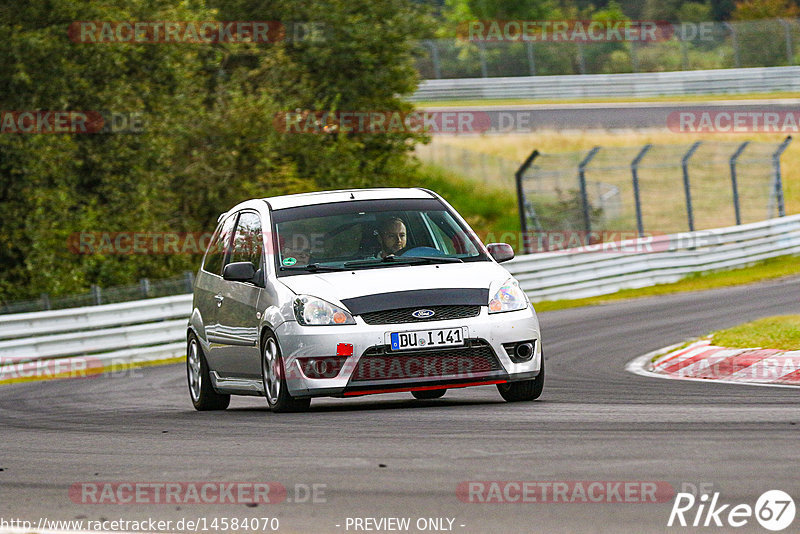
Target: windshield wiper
{"x": 410, "y": 260}
{"x": 370, "y": 261}
{"x": 436, "y": 259}
{"x": 312, "y": 268}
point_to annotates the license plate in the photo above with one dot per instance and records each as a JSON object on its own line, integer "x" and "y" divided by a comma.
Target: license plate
{"x": 422, "y": 339}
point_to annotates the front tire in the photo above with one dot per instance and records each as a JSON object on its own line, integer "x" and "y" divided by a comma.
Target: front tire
{"x": 524, "y": 390}
{"x": 273, "y": 377}
{"x": 428, "y": 394}
{"x": 201, "y": 391}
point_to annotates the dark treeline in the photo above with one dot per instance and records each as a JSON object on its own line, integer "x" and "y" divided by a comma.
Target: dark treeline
{"x": 208, "y": 138}
{"x": 667, "y": 10}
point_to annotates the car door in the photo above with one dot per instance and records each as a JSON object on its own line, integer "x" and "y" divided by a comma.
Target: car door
{"x": 238, "y": 354}
{"x": 208, "y": 286}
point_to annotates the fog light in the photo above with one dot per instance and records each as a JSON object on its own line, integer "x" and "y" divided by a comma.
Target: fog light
{"x": 325, "y": 367}
{"x": 521, "y": 351}
{"x": 524, "y": 351}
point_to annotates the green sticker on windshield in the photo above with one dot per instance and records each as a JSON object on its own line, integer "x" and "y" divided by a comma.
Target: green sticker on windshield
{"x": 289, "y": 261}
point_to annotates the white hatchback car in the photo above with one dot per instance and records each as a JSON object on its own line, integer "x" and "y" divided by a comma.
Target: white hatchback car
{"x": 355, "y": 292}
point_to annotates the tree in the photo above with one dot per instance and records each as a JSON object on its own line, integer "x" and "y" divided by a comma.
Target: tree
{"x": 695, "y": 12}
{"x": 209, "y": 140}
{"x": 54, "y": 185}
{"x": 722, "y": 9}
{"x": 765, "y": 9}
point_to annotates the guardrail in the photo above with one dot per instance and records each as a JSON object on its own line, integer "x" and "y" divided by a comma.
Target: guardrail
{"x": 155, "y": 329}
{"x": 609, "y": 267}
{"x": 92, "y": 317}
{"x": 695, "y": 82}
{"x": 93, "y": 336}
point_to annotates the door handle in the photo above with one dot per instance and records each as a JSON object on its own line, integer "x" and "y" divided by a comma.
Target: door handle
{"x": 219, "y": 298}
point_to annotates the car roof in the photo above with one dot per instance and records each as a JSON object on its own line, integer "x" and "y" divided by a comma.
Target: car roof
{"x": 343, "y": 195}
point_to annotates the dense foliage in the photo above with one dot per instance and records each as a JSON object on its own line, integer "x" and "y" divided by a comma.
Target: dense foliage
{"x": 707, "y": 35}
{"x": 208, "y": 139}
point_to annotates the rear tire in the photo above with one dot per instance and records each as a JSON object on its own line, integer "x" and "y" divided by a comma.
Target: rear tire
{"x": 273, "y": 377}
{"x": 428, "y": 394}
{"x": 524, "y": 390}
{"x": 202, "y": 393}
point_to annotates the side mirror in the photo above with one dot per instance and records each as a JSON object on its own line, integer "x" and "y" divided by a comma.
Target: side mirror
{"x": 500, "y": 251}
{"x": 242, "y": 271}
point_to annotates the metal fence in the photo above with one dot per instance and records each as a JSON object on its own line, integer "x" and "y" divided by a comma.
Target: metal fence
{"x": 653, "y": 189}
{"x": 689, "y": 46}
{"x": 99, "y": 295}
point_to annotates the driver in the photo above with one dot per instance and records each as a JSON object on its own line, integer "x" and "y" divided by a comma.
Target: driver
{"x": 392, "y": 236}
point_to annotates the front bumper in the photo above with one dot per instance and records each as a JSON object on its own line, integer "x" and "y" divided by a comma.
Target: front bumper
{"x": 429, "y": 369}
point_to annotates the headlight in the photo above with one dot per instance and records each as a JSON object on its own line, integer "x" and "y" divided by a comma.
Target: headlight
{"x": 508, "y": 298}
{"x": 311, "y": 311}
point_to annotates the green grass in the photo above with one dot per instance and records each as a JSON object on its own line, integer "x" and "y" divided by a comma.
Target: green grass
{"x": 779, "y": 332}
{"x": 765, "y": 270}
{"x": 664, "y": 98}
{"x": 489, "y": 211}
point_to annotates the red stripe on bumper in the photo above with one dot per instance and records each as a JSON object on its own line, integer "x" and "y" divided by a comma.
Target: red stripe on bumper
{"x": 422, "y": 388}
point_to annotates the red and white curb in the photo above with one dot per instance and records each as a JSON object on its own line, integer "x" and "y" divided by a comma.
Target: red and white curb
{"x": 703, "y": 361}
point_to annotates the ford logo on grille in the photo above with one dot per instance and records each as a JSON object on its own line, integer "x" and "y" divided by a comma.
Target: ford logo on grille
{"x": 422, "y": 314}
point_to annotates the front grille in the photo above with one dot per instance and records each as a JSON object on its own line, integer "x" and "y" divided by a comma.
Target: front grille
{"x": 403, "y": 315}
{"x": 378, "y": 363}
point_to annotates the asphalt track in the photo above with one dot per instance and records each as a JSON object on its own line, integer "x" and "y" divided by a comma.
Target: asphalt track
{"x": 390, "y": 455}
{"x": 611, "y": 115}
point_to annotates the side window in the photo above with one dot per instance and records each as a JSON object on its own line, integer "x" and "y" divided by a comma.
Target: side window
{"x": 216, "y": 249}
{"x": 248, "y": 243}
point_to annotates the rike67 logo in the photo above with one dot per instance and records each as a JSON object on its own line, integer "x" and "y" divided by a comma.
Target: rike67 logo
{"x": 774, "y": 510}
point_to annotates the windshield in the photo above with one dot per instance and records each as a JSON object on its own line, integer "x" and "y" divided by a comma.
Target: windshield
{"x": 370, "y": 234}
